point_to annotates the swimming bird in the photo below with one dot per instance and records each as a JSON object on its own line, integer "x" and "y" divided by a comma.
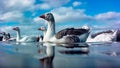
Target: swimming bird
{"x": 6, "y": 36}
{"x": 43, "y": 29}
{"x": 104, "y": 36}
{"x": 24, "y": 39}
{"x": 68, "y": 35}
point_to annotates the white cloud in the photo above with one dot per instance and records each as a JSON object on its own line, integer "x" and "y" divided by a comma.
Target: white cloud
{"x": 100, "y": 27}
{"x": 11, "y": 16}
{"x": 13, "y": 10}
{"x": 56, "y": 3}
{"x": 49, "y": 4}
{"x": 108, "y": 16}
{"x": 6, "y": 29}
{"x": 18, "y": 4}
{"x": 111, "y": 19}
{"x": 38, "y": 20}
{"x": 30, "y": 4}
{"x": 43, "y": 6}
{"x": 64, "y": 14}
{"x": 76, "y": 3}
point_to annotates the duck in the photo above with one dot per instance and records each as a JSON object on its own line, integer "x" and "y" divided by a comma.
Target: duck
{"x": 24, "y": 39}
{"x": 67, "y": 35}
{"x": 6, "y": 36}
{"x": 43, "y": 29}
{"x": 104, "y": 36}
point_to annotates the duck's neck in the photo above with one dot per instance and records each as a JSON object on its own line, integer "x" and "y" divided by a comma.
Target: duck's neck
{"x": 44, "y": 32}
{"x": 18, "y": 35}
{"x": 50, "y": 31}
{"x": 51, "y": 28}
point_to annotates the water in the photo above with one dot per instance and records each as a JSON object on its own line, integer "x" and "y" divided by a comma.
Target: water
{"x": 48, "y": 55}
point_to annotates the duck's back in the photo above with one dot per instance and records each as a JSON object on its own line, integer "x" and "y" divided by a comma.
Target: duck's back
{"x": 28, "y": 39}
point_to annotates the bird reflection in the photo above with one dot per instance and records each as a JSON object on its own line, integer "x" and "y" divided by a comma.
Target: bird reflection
{"x": 50, "y": 53}
{"x": 75, "y": 49}
{"x": 74, "y": 45}
{"x": 112, "y": 53}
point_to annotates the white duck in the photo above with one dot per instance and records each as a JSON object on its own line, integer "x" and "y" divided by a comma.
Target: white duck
{"x": 43, "y": 29}
{"x": 24, "y": 39}
{"x": 104, "y": 36}
{"x": 68, "y": 35}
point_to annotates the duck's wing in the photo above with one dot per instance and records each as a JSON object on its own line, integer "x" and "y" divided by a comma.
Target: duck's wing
{"x": 24, "y": 39}
{"x": 70, "y": 31}
{"x": 29, "y": 39}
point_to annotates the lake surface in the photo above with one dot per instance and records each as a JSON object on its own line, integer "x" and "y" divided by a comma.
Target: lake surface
{"x": 48, "y": 55}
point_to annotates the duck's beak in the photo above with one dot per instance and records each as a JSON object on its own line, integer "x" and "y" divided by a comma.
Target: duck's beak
{"x": 39, "y": 28}
{"x": 14, "y": 28}
{"x": 42, "y": 16}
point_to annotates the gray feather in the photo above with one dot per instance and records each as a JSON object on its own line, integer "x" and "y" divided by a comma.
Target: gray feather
{"x": 70, "y": 31}
{"x": 72, "y": 39}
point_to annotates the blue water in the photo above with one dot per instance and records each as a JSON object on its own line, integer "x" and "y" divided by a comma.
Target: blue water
{"x": 49, "y": 55}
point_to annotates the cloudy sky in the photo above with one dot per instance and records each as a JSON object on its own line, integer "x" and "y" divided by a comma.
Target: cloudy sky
{"x": 68, "y": 13}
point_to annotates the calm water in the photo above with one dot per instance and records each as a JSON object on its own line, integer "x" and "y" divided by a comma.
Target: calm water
{"x": 48, "y": 55}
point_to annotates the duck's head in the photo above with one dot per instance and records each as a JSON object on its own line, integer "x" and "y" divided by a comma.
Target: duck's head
{"x": 42, "y": 29}
{"x": 48, "y": 17}
{"x": 16, "y": 28}
{"x": 3, "y": 33}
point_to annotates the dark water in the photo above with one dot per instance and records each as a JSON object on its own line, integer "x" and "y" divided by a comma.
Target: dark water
{"x": 48, "y": 55}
